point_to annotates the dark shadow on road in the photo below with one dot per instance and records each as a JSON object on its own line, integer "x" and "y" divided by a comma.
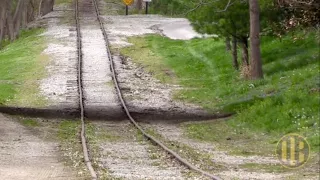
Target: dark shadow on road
{"x": 96, "y": 114}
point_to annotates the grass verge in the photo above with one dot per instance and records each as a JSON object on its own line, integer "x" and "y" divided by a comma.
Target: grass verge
{"x": 68, "y": 134}
{"x": 30, "y": 122}
{"x": 285, "y": 101}
{"x": 21, "y": 67}
{"x": 57, "y": 2}
{"x": 237, "y": 141}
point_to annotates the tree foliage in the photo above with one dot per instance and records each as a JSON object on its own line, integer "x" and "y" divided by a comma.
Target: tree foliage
{"x": 299, "y": 12}
{"x": 213, "y": 18}
{"x": 172, "y": 7}
{"x": 229, "y": 19}
{"x": 226, "y": 19}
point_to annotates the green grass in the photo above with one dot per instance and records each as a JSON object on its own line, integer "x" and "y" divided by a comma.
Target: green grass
{"x": 153, "y": 63}
{"x": 68, "y": 131}
{"x": 63, "y": 2}
{"x": 30, "y": 122}
{"x": 95, "y": 134}
{"x": 21, "y": 66}
{"x": 271, "y": 168}
{"x": 238, "y": 141}
{"x": 285, "y": 101}
{"x": 70, "y": 145}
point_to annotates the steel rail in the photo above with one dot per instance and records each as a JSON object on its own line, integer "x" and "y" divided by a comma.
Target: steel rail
{"x": 85, "y": 149}
{"x": 133, "y": 121}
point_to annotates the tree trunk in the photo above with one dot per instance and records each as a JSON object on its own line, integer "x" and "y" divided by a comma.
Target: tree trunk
{"x": 228, "y": 46}
{"x": 9, "y": 21}
{"x": 17, "y": 18}
{"x": 31, "y": 10}
{"x": 139, "y": 4}
{"x": 234, "y": 53}
{"x": 46, "y": 6}
{"x": 256, "y": 64}
{"x": 3, "y": 17}
{"x": 245, "y": 53}
{"x": 24, "y": 14}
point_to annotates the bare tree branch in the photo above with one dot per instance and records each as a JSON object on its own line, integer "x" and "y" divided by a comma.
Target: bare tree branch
{"x": 227, "y": 6}
{"x": 203, "y": 3}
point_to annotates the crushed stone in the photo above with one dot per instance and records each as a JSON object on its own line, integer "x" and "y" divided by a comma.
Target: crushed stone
{"x": 26, "y": 156}
{"x": 132, "y": 158}
{"x": 60, "y": 85}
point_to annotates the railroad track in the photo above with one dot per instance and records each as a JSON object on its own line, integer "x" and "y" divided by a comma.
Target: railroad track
{"x": 87, "y": 159}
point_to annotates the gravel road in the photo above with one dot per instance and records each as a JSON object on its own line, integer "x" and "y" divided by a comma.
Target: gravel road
{"x": 27, "y": 155}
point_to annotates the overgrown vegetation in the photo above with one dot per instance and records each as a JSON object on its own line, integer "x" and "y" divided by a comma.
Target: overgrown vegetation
{"x": 30, "y": 122}
{"x": 68, "y": 134}
{"x": 171, "y": 7}
{"x": 21, "y": 65}
{"x": 287, "y": 100}
{"x": 238, "y": 20}
{"x": 63, "y": 2}
{"x": 194, "y": 156}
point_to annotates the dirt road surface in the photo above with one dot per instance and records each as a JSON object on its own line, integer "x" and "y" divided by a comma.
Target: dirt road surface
{"x": 26, "y": 156}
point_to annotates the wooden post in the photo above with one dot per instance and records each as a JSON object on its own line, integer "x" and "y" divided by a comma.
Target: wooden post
{"x": 127, "y": 10}
{"x": 147, "y": 5}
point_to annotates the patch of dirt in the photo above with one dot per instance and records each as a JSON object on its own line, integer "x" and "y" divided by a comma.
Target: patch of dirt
{"x": 28, "y": 155}
{"x": 147, "y": 98}
{"x": 126, "y": 154}
{"x": 174, "y": 133}
{"x": 111, "y": 7}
